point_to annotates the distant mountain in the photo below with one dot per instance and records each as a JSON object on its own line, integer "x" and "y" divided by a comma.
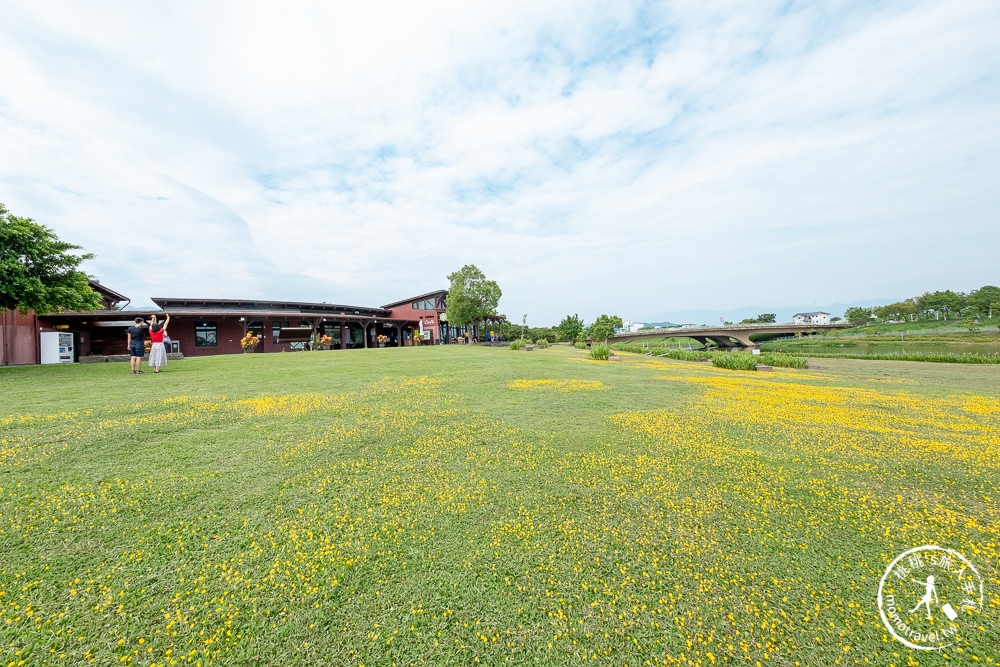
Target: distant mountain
{"x": 783, "y": 313}
{"x": 659, "y": 324}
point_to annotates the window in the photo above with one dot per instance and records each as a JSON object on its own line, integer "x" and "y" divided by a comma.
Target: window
{"x": 276, "y": 328}
{"x": 426, "y": 304}
{"x": 205, "y": 334}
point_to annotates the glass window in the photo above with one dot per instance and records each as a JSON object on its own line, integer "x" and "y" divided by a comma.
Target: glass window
{"x": 276, "y": 328}
{"x": 205, "y": 334}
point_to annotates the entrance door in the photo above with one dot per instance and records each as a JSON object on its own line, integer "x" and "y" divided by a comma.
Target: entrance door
{"x": 257, "y": 329}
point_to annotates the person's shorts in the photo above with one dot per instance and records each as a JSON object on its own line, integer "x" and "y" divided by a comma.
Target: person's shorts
{"x": 137, "y": 349}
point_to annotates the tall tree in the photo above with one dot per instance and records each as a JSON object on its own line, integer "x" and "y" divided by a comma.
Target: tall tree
{"x": 604, "y": 327}
{"x": 471, "y": 297}
{"x": 571, "y": 327}
{"x": 984, "y": 298}
{"x": 39, "y": 271}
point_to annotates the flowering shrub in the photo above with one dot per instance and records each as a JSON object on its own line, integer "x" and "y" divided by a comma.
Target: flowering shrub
{"x": 249, "y": 342}
{"x": 382, "y": 339}
{"x": 325, "y": 340}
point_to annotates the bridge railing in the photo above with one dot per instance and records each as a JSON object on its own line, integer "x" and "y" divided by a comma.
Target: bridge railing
{"x": 733, "y": 327}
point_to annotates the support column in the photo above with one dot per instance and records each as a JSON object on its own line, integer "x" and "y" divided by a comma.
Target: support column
{"x": 314, "y": 324}
{"x": 364, "y": 328}
{"x": 343, "y": 339}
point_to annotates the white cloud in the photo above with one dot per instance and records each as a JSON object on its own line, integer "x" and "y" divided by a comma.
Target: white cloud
{"x": 640, "y": 159}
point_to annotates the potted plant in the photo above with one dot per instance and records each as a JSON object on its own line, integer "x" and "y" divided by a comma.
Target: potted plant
{"x": 324, "y": 342}
{"x": 249, "y": 343}
{"x": 382, "y": 340}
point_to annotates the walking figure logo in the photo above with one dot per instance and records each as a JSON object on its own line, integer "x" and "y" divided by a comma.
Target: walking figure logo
{"x": 931, "y": 594}
{"x": 944, "y": 584}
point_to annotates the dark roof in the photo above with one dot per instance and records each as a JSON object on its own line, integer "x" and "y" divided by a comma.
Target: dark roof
{"x": 440, "y": 292}
{"x": 104, "y": 291}
{"x": 270, "y": 307}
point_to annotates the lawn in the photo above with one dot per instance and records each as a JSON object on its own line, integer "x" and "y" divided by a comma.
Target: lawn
{"x": 465, "y": 505}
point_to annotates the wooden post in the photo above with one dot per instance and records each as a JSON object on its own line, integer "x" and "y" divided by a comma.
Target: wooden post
{"x": 343, "y": 339}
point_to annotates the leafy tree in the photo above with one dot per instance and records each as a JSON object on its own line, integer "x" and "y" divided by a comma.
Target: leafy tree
{"x": 471, "y": 297}
{"x": 763, "y": 318}
{"x": 858, "y": 316}
{"x": 39, "y": 273}
{"x": 896, "y": 311}
{"x": 985, "y": 299}
{"x": 941, "y": 302}
{"x": 571, "y": 327}
{"x": 604, "y": 327}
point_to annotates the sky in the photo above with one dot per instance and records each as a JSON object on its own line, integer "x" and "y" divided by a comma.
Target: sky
{"x": 590, "y": 157}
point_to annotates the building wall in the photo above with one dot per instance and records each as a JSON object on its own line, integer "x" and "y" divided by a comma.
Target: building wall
{"x": 430, "y": 318}
{"x": 19, "y": 342}
{"x": 228, "y": 333}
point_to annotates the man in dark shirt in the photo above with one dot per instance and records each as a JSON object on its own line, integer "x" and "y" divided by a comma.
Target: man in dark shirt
{"x": 137, "y": 344}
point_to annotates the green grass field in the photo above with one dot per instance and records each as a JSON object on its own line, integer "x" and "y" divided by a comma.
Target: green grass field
{"x": 465, "y": 505}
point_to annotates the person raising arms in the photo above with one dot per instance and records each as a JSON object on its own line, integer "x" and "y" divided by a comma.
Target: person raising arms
{"x": 157, "y": 353}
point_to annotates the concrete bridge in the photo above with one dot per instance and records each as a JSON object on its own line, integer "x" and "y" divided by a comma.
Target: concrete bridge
{"x": 729, "y": 336}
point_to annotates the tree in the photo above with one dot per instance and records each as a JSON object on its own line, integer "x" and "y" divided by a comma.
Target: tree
{"x": 763, "y": 318}
{"x": 896, "y": 311}
{"x": 471, "y": 296}
{"x": 942, "y": 302}
{"x": 571, "y": 327}
{"x": 604, "y": 327}
{"x": 858, "y": 316}
{"x": 984, "y": 298}
{"x": 39, "y": 273}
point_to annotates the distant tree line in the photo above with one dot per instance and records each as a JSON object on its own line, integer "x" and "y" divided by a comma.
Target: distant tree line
{"x": 763, "y": 318}
{"x": 946, "y": 305}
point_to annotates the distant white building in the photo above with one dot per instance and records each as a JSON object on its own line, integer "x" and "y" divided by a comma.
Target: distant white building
{"x": 811, "y": 318}
{"x": 631, "y": 327}
{"x": 687, "y": 326}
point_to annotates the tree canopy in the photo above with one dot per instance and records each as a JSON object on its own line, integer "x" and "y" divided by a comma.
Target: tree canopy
{"x": 858, "y": 316}
{"x": 985, "y": 299}
{"x": 571, "y": 327}
{"x": 471, "y": 297}
{"x": 604, "y": 327}
{"x": 39, "y": 271}
{"x": 763, "y": 318}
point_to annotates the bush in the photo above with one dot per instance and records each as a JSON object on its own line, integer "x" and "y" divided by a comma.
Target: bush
{"x": 517, "y": 343}
{"x": 541, "y": 341}
{"x": 935, "y": 358}
{"x": 600, "y": 351}
{"x": 781, "y": 359}
{"x": 580, "y": 345}
{"x": 734, "y": 361}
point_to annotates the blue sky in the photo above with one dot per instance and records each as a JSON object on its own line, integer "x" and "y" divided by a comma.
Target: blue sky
{"x": 634, "y": 158}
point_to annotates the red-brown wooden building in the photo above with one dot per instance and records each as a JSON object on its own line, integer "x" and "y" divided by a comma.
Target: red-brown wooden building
{"x": 216, "y": 326}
